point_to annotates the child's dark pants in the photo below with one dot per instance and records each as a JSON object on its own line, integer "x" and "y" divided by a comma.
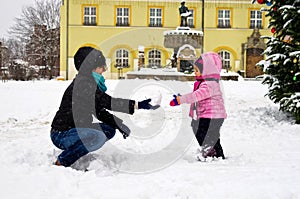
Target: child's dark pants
{"x": 207, "y": 132}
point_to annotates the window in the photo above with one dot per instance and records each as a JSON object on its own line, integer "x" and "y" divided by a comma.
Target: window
{"x": 122, "y": 17}
{"x": 223, "y": 18}
{"x": 90, "y": 15}
{"x": 154, "y": 58}
{"x": 155, "y": 17}
{"x": 190, "y": 20}
{"x": 122, "y": 58}
{"x": 255, "y": 19}
{"x": 225, "y": 55}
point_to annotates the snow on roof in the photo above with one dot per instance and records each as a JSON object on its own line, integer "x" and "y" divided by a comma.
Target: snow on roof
{"x": 183, "y": 31}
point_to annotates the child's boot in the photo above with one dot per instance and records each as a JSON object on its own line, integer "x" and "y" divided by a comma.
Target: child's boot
{"x": 219, "y": 150}
{"x": 206, "y": 152}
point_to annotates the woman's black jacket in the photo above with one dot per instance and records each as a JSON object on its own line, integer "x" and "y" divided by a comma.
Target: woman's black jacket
{"x": 83, "y": 99}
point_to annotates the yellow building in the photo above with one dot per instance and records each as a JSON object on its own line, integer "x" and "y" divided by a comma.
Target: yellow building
{"x": 124, "y": 28}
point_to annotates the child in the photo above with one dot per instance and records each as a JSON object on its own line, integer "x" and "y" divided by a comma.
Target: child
{"x": 73, "y": 130}
{"x": 207, "y": 101}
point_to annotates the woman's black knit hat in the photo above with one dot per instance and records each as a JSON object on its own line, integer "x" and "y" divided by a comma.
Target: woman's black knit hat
{"x": 88, "y": 58}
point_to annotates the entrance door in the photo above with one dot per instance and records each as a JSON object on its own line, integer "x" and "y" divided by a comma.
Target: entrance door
{"x": 253, "y": 56}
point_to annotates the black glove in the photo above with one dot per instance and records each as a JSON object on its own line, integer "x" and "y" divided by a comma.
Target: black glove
{"x": 124, "y": 130}
{"x": 145, "y": 104}
{"x": 118, "y": 124}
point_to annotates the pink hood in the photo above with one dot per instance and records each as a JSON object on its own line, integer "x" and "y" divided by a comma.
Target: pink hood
{"x": 212, "y": 65}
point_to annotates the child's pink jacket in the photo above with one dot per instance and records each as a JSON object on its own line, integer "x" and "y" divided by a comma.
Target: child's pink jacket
{"x": 207, "y": 100}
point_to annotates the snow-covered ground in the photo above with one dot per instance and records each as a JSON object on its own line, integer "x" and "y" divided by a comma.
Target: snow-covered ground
{"x": 158, "y": 159}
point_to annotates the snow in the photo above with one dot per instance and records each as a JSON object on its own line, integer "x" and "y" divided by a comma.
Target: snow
{"x": 295, "y": 53}
{"x": 287, "y": 23}
{"x": 172, "y": 72}
{"x": 276, "y": 57}
{"x": 187, "y": 46}
{"x": 157, "y": 71}
{"x": 289, "y": 7}
{"x": 158, "y": 159}
{"x": 265, "y": 64}
{"x": 224, "y": 73}
{"x": 183, "y": 31}
{"x": 21, "y": 62}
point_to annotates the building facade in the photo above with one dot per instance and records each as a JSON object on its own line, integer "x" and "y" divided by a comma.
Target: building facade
{"x": 125, "y": 30}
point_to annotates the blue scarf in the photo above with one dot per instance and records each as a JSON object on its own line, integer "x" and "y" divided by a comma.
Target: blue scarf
{"x": 100, "y": 81}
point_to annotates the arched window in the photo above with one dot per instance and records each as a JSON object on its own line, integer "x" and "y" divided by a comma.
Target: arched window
{"x": 122, "y": 58}
{"x": 154, "y": 58}
{"x": 225, "y": 55}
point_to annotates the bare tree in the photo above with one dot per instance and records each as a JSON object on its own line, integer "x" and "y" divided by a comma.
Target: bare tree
{"x": 44, "y": 12}
{"x": 38, "y": 29}
{"x": 13, "y": 61}
{"x": 16, "y": 49}
{"x": 11, "y": 50}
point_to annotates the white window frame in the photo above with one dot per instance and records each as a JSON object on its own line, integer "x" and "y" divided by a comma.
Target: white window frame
{"x": 122, "y": 58}
{"x": 224, "y": 21}
{"x": 226, "y": 57}
{"x": 155, "y": 17}
{"x": 191, "y": 20}
{"x": 255, "y": 19}
{"x": 122, "y": 16}
{"x": 90, "y": 15}
{"x": 154, "y": 58}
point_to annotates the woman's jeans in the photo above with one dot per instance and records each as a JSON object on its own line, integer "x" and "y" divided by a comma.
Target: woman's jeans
{"x": 78, "y": 142}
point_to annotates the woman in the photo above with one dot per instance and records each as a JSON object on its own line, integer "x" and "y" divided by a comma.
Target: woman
{"x": 73, "y": 130}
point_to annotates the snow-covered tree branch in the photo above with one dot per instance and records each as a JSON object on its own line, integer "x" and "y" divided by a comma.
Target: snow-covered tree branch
{"x": 282, "y": 54}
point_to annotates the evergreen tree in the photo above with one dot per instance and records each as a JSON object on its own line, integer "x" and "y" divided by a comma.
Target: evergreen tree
{"x": 282, "y": 64}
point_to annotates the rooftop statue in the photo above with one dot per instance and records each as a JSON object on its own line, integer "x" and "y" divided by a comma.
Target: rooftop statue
{"x": 184, "y": 14}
